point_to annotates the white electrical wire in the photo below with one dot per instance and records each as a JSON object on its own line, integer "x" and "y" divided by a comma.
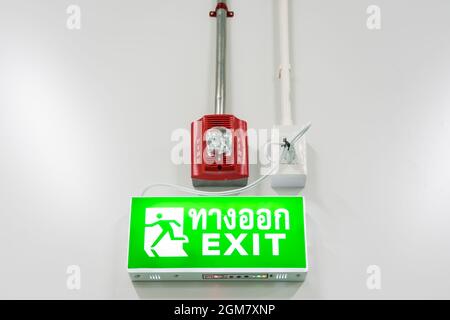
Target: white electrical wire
{"x": 227, "y": 192}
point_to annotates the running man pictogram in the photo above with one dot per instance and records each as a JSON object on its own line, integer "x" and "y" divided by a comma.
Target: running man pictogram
{"x": 166, "y": 227}
{"x": 163, "y": 235}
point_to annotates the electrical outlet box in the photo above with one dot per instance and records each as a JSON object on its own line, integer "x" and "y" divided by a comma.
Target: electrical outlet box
{"x": 292, "y": 171}
{"x": 217, "y": 239}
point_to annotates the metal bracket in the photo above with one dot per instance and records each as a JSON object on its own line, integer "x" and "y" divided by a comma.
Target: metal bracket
{"x": 221, "y": 5}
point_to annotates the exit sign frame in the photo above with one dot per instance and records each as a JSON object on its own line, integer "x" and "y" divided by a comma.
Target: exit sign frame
{"x": 239, "y": 238}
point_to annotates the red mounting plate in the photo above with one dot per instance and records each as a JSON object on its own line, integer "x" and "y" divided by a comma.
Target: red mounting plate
{"x": 221, "y": 5}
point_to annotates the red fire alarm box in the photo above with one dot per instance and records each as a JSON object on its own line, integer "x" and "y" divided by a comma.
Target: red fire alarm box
{"x": 219, "y": 151}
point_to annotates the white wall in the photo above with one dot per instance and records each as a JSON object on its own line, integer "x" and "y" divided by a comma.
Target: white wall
{"x": 86, "y": 118}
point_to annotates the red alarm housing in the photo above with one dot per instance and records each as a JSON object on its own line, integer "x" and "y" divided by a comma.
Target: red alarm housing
{"x": 219, "y": 151}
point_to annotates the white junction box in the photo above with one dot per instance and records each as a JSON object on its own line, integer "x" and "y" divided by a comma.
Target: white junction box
{"x": 292, "y": 171}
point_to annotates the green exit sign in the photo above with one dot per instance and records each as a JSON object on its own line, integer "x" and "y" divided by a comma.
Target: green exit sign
{"x": 217, "y": 238}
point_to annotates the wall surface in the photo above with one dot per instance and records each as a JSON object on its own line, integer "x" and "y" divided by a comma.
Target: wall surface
{"x": 86, "y": 118}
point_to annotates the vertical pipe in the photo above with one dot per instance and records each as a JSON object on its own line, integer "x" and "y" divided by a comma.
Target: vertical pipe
{"x": 285, "y": 66}
{"x": 221, "y": 59}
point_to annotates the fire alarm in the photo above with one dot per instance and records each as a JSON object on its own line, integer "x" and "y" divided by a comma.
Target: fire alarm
{"x": 219, "y": 146}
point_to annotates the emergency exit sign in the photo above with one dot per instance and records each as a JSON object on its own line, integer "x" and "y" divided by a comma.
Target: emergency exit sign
{"x": 217, "y": 238}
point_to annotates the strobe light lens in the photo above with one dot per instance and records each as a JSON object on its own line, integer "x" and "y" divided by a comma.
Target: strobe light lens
{"x": 219, "y": 142}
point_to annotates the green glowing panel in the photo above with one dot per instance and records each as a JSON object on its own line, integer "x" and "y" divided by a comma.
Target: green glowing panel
{"x": 223, "y": 235}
